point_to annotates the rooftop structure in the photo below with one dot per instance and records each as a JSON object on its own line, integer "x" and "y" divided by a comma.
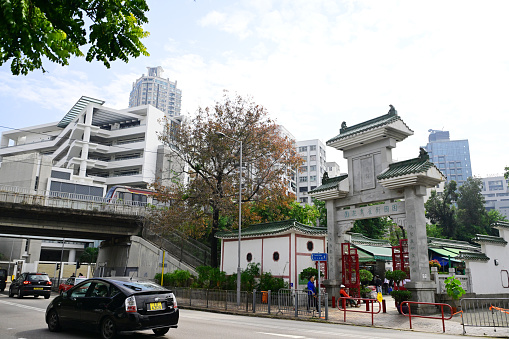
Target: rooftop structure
{"x": 152, "y": 89}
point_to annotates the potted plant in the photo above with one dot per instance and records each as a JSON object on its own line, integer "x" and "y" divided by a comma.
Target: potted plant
{"x": 454, "y": 290}
{"x": 397, "y": 276}
{"x": 399, "y": 297}
{"x": 365, "y": 277}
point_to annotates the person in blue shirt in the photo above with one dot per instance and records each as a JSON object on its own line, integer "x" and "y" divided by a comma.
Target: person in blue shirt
{"x": 312, "y": 293}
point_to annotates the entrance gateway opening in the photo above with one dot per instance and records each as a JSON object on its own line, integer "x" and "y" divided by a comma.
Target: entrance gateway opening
{"x": 398, "y": 188}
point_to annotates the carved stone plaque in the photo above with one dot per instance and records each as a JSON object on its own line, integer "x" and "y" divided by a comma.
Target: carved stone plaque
{"x": 367, "y": 173}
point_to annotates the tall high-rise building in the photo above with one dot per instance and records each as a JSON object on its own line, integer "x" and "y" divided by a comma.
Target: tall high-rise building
{"x": 152, "y": 89}
{"x": 495, "y": 190}
{"x": 452, "y": 157}
{"x": 311, "y": 172}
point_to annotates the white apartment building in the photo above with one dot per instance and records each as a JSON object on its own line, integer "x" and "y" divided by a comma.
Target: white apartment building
{"x": 91, "y": 148}
{"x": 310, "y": 174}
{"x": 152, "y": 89}
{"x": 495, "y": 190}
{"x": 332, "y": 169}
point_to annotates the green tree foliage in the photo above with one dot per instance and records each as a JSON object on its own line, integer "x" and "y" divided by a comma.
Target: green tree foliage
{"x": 322, "y": 210}
{"x": 506, "y": 172}
{"x": 433, "y": 231}
{"x": 471, "y": 214}
{"x": 31, "y": 30}
{"x": 271, "y": 283}
{"x": 309, "y": 272}
{"x": 467, "y": 219}
{"x": 441, "y": 211}
{"x": 89, "y": 255}
{"x": 375, "y": 228}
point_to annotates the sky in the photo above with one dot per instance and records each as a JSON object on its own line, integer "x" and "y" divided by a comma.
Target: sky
{"x": 444, "y": 65}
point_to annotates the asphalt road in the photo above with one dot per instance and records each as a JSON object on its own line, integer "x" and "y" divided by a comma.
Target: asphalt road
{"x": 24, "y": 319}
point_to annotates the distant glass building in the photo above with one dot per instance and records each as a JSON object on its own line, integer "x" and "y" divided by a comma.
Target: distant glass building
{"x": 495, "y": 190}
{"x": 452, "y": 157}
{"x": 153, "y": 90}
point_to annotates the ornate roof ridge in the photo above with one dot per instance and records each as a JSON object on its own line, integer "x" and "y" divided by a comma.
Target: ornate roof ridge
{"x": 329, "y": 183}
{"x": 409, "y": 166}
{"x": 489, "y": 238}
{"x": 472, "y": 256}
{"x": 385, "y": 119}
{"x": 275, "y": 227}
{"x": 503, "y": 224}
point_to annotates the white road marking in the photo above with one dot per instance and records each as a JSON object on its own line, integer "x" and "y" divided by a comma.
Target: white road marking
{"x": 23, "y": 306}
{"x": 283, "y": 335}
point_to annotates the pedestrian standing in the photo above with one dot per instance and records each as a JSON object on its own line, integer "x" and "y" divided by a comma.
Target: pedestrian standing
{"x": 312, "y": 293}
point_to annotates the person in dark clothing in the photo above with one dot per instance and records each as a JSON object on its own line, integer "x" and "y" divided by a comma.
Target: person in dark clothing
{"x": 378, "y": 284}
{"x": 312, "y": 293}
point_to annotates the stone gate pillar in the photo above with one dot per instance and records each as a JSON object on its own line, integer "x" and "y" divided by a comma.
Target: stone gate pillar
{"x": 423, "y": 290}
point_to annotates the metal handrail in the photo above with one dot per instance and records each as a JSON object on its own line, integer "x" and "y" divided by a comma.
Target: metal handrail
{"x": 409, "y": 315}
{"x": 369, "y": 306}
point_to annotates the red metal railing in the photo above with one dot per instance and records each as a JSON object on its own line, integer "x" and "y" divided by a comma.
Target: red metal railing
{"x": 369, "y": 306}
{"x": 409, "y": 315}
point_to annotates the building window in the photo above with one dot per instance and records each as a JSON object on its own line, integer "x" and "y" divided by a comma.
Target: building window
{"x": 304, "y": 200}
{"x": 312, "y": 168}
{"x": 303, "y": 169}
{"x": 312, "y": 148}
{"x": 310, "y": 245}
{"x": 303, "y": 179}
{"x": 249, "y": 257}
{"x": 303, "y": 189}
{"x": 312, "y": 157}
{"x": 275, "y": 256}
{"x": 312, "y": 178}
{"x": 303, "y": 149}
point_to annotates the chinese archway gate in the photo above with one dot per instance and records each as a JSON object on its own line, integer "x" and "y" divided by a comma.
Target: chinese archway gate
{"x": 350, "y": 273}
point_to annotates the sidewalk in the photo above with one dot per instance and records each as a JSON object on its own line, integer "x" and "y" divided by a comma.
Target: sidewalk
{"x": 392, "y": 319}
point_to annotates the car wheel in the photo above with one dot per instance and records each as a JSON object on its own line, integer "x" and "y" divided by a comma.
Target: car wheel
{"x": 3, "y": 289}
{"x": 10, "y": 293}
{"x": 46, "y": 296}
{"x": 108, "y": 329}
{"x": 36, "y": 296}
{"x": 161, "y": 331}
{"x": 53, "y": 322}
{"x": 20, "y": 295}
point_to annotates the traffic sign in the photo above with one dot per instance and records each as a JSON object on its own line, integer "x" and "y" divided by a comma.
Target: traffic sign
{"x": 319, "y": 256}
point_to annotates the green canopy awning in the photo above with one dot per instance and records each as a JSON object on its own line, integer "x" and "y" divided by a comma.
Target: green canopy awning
{"x": 378, "y": 253}
{"x": 365, "y": 257}
{"x": 446, "y": 253}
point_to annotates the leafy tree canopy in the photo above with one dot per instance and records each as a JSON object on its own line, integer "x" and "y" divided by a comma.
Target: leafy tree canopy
{"x": 213, "y": 166}
{"x": 31, "y": 30}
{"x": 90, "y": 255}
{"x": 459, "y": 213}
{"x": 375, "y": 228}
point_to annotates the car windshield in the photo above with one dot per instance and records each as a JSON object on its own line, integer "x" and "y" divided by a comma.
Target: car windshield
{"x": 38, "y": 277}
{"x": 143, "y": 286}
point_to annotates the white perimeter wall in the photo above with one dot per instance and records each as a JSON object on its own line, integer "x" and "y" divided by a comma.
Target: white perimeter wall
{"x": 488, "y": 278}
{"x": 293, "y": 254}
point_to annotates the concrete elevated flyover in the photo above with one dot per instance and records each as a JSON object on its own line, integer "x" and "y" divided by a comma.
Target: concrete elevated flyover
{"x": 29, "y": 214}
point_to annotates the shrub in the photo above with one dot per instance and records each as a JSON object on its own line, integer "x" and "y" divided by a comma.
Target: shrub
{"x": 270, "y": 283}
{"x": 453, "y": 288}
{"x": 308, "y": 273}
{"x": 400, "y": 296}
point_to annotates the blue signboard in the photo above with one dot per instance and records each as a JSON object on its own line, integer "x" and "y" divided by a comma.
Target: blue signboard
{"x": 319, "y": 256}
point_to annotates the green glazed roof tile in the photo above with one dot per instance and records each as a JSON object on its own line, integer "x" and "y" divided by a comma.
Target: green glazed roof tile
{"x": 276, "y": 227}
{"x": 500, "y": 224}
{"x": 411, "y": 166}
{"x": 489, "y": 238}
{"x": 366, "y": 125}
{"x": 329, "y": 183}
{"x": 473, "y": 256}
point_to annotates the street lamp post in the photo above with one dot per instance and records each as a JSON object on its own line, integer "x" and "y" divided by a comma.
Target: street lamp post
{"x": 222, "y": 135}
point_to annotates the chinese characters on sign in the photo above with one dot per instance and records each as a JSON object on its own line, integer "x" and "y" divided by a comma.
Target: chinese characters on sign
{"x": 373, "y": 211}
